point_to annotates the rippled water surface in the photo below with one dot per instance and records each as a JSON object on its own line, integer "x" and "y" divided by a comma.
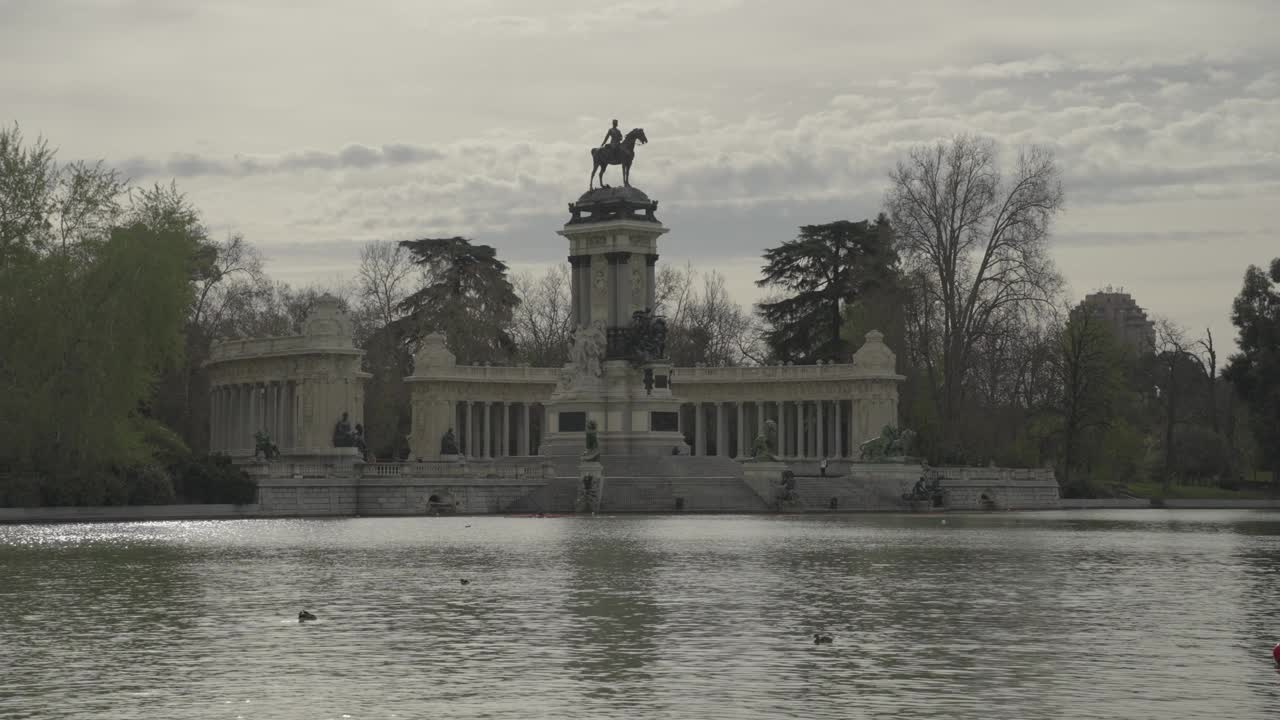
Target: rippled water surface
{"x": 1109, "y": 614}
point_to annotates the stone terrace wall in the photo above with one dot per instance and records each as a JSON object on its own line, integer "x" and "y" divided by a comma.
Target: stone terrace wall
{"x": 1005, "y": 488}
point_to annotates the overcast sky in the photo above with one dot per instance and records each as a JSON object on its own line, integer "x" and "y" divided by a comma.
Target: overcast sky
{"x": 313, "y": 130}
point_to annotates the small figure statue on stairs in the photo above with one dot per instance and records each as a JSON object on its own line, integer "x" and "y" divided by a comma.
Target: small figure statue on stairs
{"x": 592, "y": 451}
{"x": 448, "y": 443}
{"x": 262, "y": 445}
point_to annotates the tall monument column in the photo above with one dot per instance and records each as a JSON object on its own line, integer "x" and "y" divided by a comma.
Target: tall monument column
{"x": 618, "y": 376}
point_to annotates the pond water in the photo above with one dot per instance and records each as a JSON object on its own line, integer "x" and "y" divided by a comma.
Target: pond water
{"x": 1106, "y": 614}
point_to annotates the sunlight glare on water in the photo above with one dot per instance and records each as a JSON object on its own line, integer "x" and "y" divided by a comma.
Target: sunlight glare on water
{"x": 1107, "y": 614}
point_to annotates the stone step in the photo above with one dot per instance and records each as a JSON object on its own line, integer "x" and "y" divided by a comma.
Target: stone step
{"x": 687, "y": 494}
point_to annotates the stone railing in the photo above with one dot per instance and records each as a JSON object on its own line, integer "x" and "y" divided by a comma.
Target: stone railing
{"x": 390, "y": 470}
{"x": 774, "y": 373}
{"x": 489, "y": 373}
{"x": 232, "y": 349}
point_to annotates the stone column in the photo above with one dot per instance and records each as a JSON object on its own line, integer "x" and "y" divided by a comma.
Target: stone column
{"x": 759, "y": 418}
{"x": 246, "y": 431}
{"x": 504, "y": 427}
{"x": 837, "y": 424}
{"x": 468, "y": 409}
{"x": 651, "y": 262}
{"x": 291, "y": 400}
{"x": 213, "y": 419}
{"x": 722, "y": 431}
{"x": 526, "y": 437}
{"x": 233, "y": 417}
{"x": 782, "y": 428}
{"x": 822, "y": 428}
{"x": 575, "y": 296}
{"x": 280, "y": 411}
{"x": 851, "y": 432}
{"x": 699, "y": 429}
{"x": 743, "y": 450}
{"x": 806, "y": 429}
{"x": 224, "y": 421}
{"x": 271, "y": 411}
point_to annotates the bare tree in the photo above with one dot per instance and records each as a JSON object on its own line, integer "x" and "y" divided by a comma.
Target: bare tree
{"x": 236, "y": 260}
{"x": 383, "y": 279}
{"x": 1209, "y": 368}
{"x": 1088, "y": 378}
{"x": 977, "y": 242}
{"x": 704, "y": 324}
{"x": 542, "y": 324}
{"x": 1173, "y": 357}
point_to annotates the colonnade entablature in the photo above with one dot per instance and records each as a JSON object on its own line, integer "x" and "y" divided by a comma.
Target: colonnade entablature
{"x": 293, "y": 388}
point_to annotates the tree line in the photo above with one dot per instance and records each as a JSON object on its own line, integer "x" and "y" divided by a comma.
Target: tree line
{"x": 111, "y": 296}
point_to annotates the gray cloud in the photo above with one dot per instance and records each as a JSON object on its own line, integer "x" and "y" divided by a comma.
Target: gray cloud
{"x": 351, "y": 157}
{"x": 761, "y": 118}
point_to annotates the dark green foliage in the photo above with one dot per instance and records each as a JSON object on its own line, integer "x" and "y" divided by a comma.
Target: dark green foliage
{"x": 1202, "y": 454}
{"x": 1255, "y": 370}
{"x": 213, "y": 479}
{"x": 149, "y": 485}
{"x": 138, "y": 485}
{"x": 82, "y": 338}
{"x": 467, "y": 297}
{"x": 824, "y": 270}
{"x": 388, "y": 417}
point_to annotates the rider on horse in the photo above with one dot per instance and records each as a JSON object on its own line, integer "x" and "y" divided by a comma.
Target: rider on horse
{"x": 613, "y": 138}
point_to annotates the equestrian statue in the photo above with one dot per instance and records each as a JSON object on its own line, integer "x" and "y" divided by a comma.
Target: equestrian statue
{"x": 615, "y": 150}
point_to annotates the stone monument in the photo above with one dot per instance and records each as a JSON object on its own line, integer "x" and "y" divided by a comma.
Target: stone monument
{"x": 618, "y": 376}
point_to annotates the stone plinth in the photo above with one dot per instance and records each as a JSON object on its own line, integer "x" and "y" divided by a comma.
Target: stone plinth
{"x": 630, "y": 419}
{"x": 590, "y": 486}
{"x": 764, "y": 477}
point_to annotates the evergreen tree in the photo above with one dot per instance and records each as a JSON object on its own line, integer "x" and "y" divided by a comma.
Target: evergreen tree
{"x": 826, "y": 269}
{"x": 466, "y": 296}
{"x": 1255, "y": 370}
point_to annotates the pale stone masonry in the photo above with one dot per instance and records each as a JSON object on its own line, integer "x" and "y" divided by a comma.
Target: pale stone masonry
{"x": 294, "y": 387}
{"x": 820, "y": 410}
{"x": 666, "y": 439}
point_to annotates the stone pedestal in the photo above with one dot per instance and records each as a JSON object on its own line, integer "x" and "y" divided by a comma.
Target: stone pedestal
{"x": 613, "y": 248}
{"x": 765, "y": 479}
{"x": 590, "y": 486}
{"x": 630, "y": 418}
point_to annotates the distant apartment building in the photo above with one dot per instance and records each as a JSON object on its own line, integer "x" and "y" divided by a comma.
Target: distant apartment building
{"x": 1128, "y": 322}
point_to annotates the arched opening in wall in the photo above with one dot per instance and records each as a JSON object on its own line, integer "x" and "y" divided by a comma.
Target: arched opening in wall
{"x": 439, "y": 504}
{"x": 986, "y": 501}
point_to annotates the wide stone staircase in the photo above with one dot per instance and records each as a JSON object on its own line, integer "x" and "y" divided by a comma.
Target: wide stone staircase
{"x": 655, "y": 483}
{"x": 706, "y": 484}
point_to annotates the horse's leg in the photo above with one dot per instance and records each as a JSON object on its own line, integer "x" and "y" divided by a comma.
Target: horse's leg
{"x": 603, "y": 166}
{"x": 626, "y": 174}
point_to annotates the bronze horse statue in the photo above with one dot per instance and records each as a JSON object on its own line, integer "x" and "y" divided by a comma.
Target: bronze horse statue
{"x": 603, "y": 157}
